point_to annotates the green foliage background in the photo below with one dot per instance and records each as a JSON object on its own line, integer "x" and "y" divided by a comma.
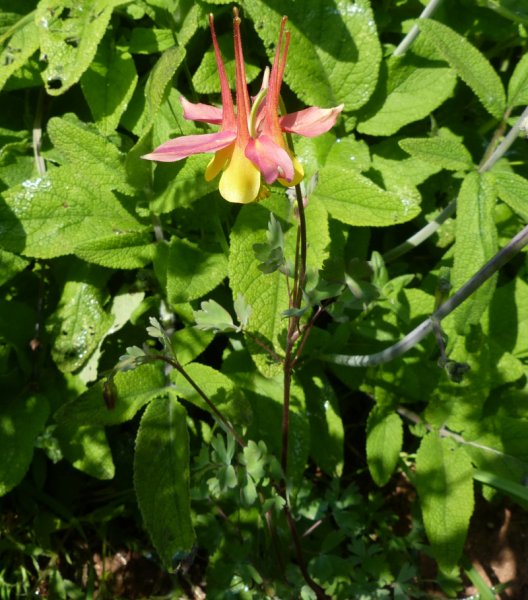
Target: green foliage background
{"x": 95, "y": 242}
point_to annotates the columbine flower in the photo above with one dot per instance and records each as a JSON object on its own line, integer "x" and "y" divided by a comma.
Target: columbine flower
{"x": 250, "y": 142}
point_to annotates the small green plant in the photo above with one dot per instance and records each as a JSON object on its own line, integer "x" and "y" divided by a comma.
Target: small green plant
{"x": 241, "y": 360}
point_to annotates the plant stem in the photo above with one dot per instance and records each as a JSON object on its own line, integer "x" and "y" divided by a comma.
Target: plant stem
{"x": 421, "y": 235}
{"x": 415, "y": 31}
{"x": 207, "y": 400}
{"x": 416, "y": 335}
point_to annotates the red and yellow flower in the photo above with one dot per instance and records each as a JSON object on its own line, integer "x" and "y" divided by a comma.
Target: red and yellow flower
{"x": 251, "y": 142}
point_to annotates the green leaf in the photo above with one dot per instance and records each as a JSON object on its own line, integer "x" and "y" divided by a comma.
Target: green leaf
{"x": 509, "y": 319}
{"x": 162, "y": 485}
{"x": 384, "y": 444}
{"x": 150, "y": 41}
{"x": 444, "y": 480}
{"x": 17, "y": 46}
{"x": 267, "y": 294}
{"x": 326, "y": 426}
{"x": 222, "y": 392}
{"x": 108, "y": 85}
{"x": 92, "y": 155}
{"x": 476, "y": 243}
{"x": 444, "y": 152}
{"x": 69, "y": 33}
{"x": 190, "y": 272}
{"x": 513, "y": 189}
{"x": 179, "y": 184}
{"x": 86, "y": 448}
{"x": 518, "y": 84}
{"x": 469, "y": 63}
{"x": 160, "y": 78}
{"x": 132, "y": 390}
{"x": 351, "y": 198}
{"x": 205, "y": 79}
{"x": 21, "y": 421}
{"x": 409, "y": 89}
{"x": 189, "y": 342}
{"x": 10, "y": 265}
{"x": 121, "y": 250}
{"x": 213, "y": 317}
{"x": 79, "y": 323}
{"x": 265, "y": 396}
{"x": 334, "y": 52}
{"x": 50, "y": 216}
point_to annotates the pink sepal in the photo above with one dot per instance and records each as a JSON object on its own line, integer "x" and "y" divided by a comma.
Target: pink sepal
{"x": 182, "y": 147}
{"x": 311, "y": 121}
{"x": 270, "y": 159}
{"x": 201, "y": 112}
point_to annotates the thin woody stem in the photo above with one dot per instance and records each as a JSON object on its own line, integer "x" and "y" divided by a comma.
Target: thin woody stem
{"x": 417, "y": 335}
{"x": 174, "y": 363}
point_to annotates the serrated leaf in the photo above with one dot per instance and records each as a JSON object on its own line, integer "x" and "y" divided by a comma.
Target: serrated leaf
{"x": 242, "y": 310}
{"x": 220, "y": 390}
{"x": 133, "y": 390}
{"x": 92, "y": 155}
{"x": 476, "y": 243}
{"x": 351, "y": 198}
{"x": 10, "y": 265}
{"x": 18, "y": 47}
{"x": 513, "y": 189}
{"x": 150, "y": 40}
{"x": 121, "y": 250}
{"x": 180, "y": 184}
{"x": 69, "y": 33}
{"x": 21, "y": 421}
{"x": 518, "y": 84}
{"x": 443, "y": 152}
{"x": 266, "y": 294}
{"x": 213, "y": 317}
{"x": 444, "y": 479}
{"x": 190, "y": 272}
{"x": 205, "y": 79}
{"x": 162, "y": 485}
{"x": 50, "y": 216}
{"x": 334, "y": 52}
{"x": 409, "y": 89}
{"x": 108, "y": 85}
{"x": 160, "y": 78}
{"x": 78, "y": 324}
{"x": 189, "y": 342}
{"x": 469, "y": 63}
{"x": 384, "y": 444}
{"x": 86, "y": 448}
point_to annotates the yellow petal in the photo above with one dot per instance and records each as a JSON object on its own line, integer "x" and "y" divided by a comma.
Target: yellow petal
{"x": 240, "y": 182}
{"x": 217, "y": 163}
{"x": 298, "y": 171}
